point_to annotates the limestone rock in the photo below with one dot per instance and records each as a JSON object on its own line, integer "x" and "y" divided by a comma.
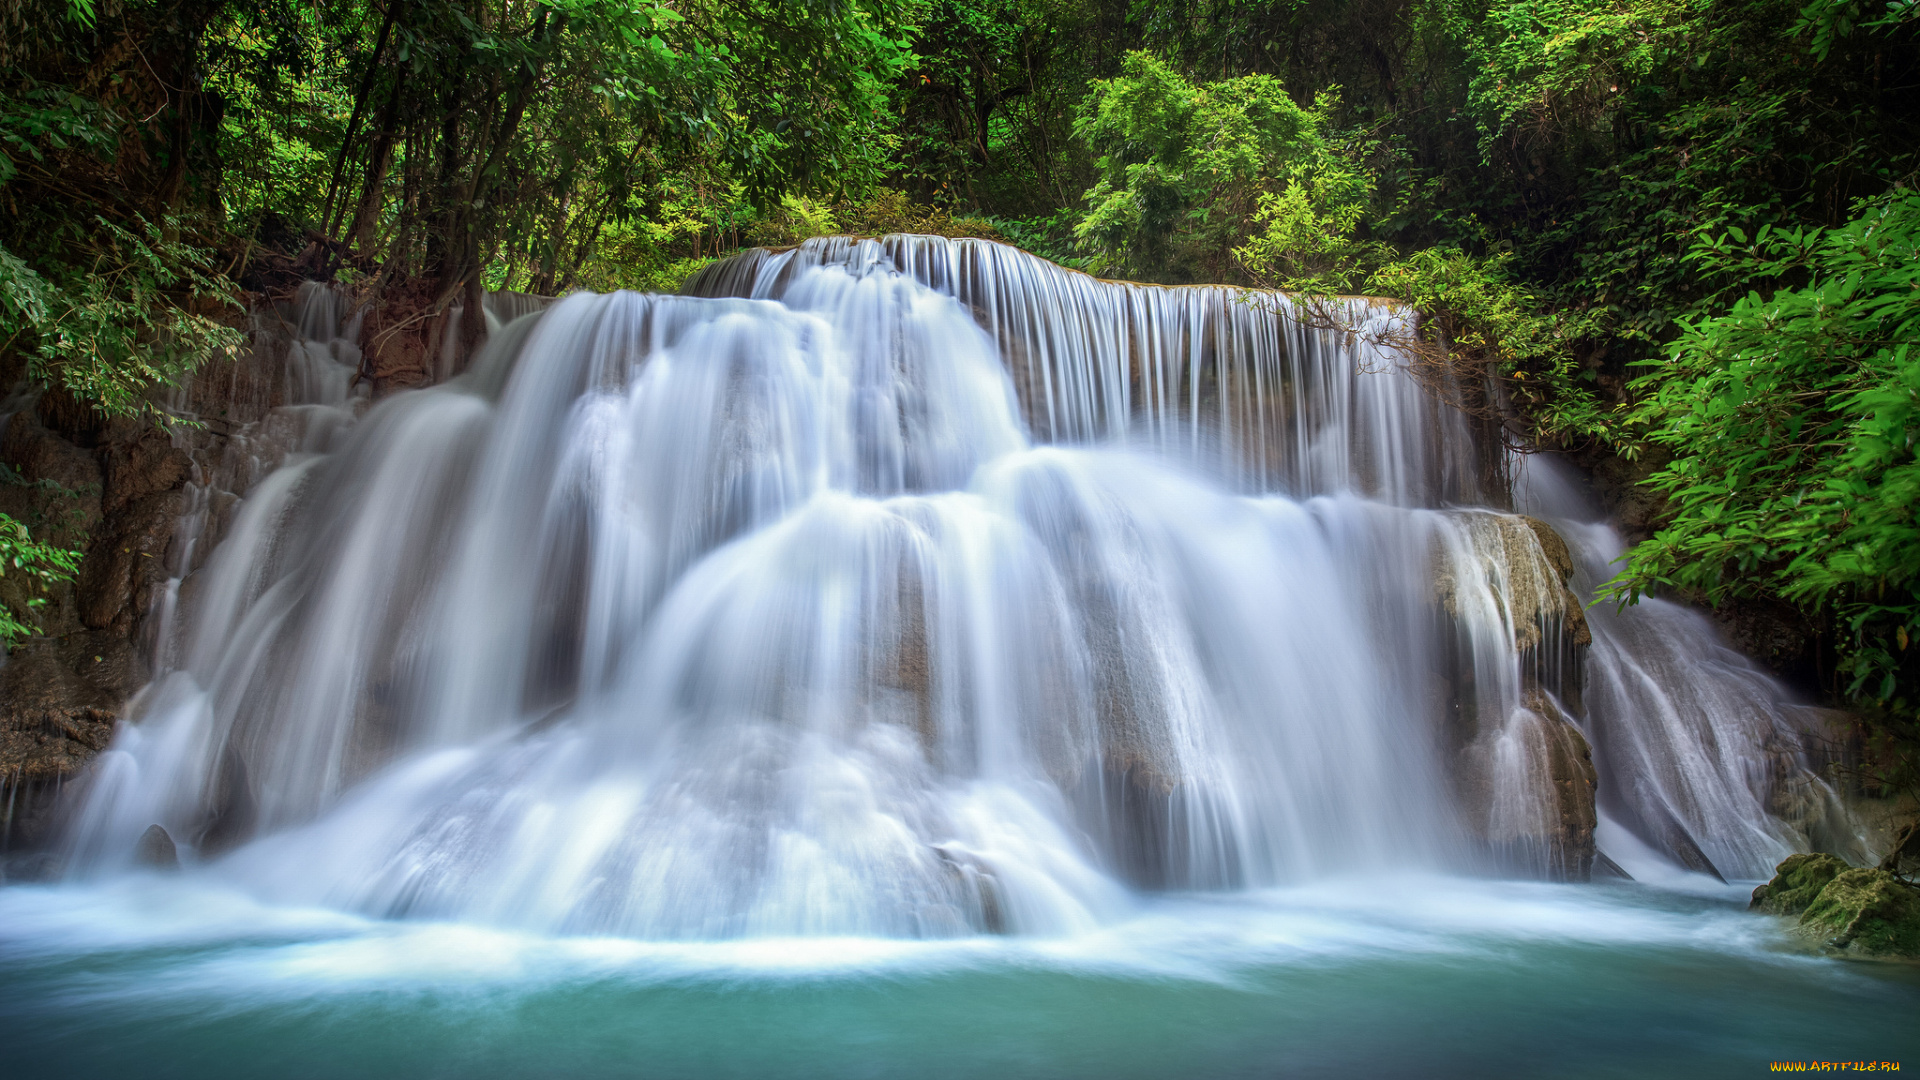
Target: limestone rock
{"x": 1552, "y": 546}
{"x": 1638, "y": 510}
{"x": 59, "y": 698}
{"x": 1795, "y": 884}
{"x": 1868, "y": 913}
{"x": 34, "y": 452}
{"x": 1772, "y": 632}
{"x": 1535, "y": 568}
{"x": 113, "y": 487}
{"x": 1538, "y": 818}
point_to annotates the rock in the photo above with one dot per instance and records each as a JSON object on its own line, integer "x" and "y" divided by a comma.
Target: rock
{"x": 1773, "y": 632}
{"x": 1867, "y": 913}
{"x": 1553, "y": 836}
{"x": 127, "y": 560}
{"x": 145, "y": 464}
{"x": 1570, "y": 767}
{"x": 1605, "y": 869}
{"x": 59, "y": 698}
{"x": 156, "y": 849}
{"x": 1536, "y": 568}
{"x": 1636, "y": 509}
{"x": 1552, "y": 546}
{"x": 1861, "y": 912}
{"x": 33, "y": 451}
{"x": 113, "y": 488}
{"x": 1796, "y": 882}
{"x": 58, "y": 702}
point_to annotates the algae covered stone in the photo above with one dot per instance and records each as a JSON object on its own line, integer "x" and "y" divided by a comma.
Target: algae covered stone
{"x": 1796, "y": 882}
{"x": 1869, "y": 912}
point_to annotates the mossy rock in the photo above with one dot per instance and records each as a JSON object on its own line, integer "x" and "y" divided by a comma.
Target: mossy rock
{"x": 1796, "y": 882}
{"x": 1869, "y": 912}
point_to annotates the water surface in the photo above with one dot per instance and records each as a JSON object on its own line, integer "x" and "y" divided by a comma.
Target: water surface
{"x": 1430, "y": 977}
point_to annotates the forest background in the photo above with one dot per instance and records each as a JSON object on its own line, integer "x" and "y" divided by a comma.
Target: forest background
{"x": 1678, "y": 239}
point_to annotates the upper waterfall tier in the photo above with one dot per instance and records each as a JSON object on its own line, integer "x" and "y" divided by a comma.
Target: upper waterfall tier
{"x": 1208, "y": 373}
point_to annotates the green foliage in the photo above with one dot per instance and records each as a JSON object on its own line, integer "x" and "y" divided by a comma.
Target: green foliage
{"x": 1793, "y": 420}
{"x": 1185, "y": 168}
{"x": 1480, "y": 329}
{"x": 1048, "y": 235}
{"x": 1828, "y": 22}
{"x": 42, "y": 564}
{"x": 42, "y": 120}
{"x": 126, "y": 321}
{"x": 985, "y": 108}
{"x": 1615, "y": 132}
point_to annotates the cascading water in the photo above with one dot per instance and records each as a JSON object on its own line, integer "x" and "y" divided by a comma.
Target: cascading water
{"x": 292, "y": 417}
{"x": 1205, "y": 373}
{"x": 1703, "y": 753}
{"x": 905, "y": 588}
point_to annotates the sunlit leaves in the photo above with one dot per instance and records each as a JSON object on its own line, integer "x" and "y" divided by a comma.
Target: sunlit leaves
{"x": 1185, "y": 164}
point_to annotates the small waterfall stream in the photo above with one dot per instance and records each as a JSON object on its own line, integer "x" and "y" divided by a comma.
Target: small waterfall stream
{"x": 1704, "y": 753}
{"x": 907, "y": 588}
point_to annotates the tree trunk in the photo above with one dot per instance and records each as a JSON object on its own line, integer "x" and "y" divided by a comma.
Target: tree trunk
{"x": 366, "y": 214}
{"x": 353, "y": 119}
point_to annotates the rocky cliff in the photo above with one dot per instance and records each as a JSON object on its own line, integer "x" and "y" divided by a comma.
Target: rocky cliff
{"x": 124, "y": 491}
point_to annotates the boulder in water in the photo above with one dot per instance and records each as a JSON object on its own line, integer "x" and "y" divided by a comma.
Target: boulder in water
{"x": 1796, "y": 882}
{"x": 1860, "y": 912}
{"x": 1867, "y": 912}
{"x": 1574, "y": 814}
{"x": 156, "y": 849}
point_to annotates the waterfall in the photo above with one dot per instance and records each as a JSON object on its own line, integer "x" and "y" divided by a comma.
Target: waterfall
{"x": 1706, "y": 754}
{"x": 907, "y": 587}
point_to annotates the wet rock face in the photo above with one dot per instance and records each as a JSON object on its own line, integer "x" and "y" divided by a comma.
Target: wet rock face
{"x": 141, "y": 465}
{"x": 1522, "y": 771}
{"x": 1866, "y": 912}
{"x": 1772, "y": 632}
{"x": 1638, "y": 510}
{"x": 113, "y": 490}
{"x": 127, "y": 562}
{"x": 156, "y": 849}
{"x": 1570, "y": 768}
{"x": 34, "y": 451}
{"x": 1545, "y": 828}
{"x": 59, "y": 699}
